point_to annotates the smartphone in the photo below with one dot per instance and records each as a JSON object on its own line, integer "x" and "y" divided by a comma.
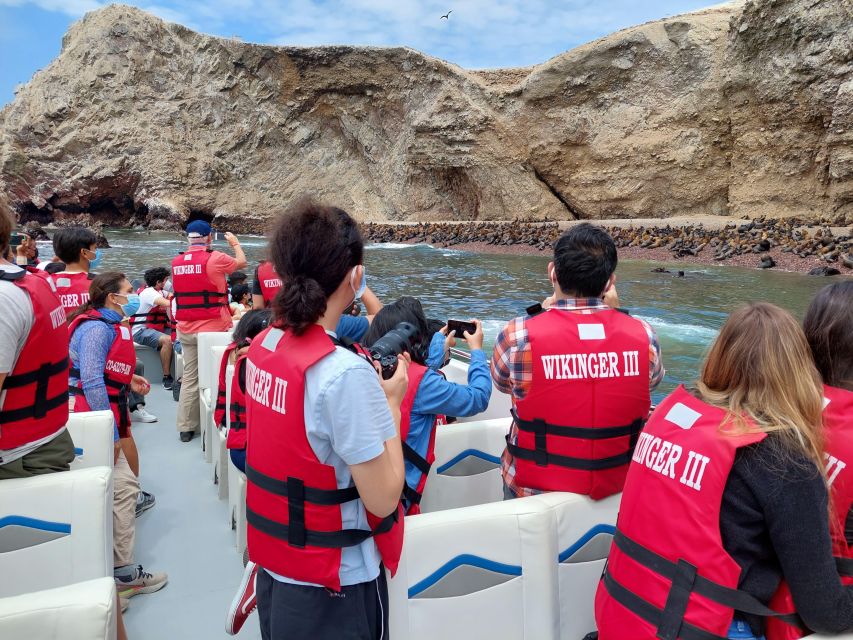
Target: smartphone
{"x": 460, "y": 327}
{"x": 16, "y": 239}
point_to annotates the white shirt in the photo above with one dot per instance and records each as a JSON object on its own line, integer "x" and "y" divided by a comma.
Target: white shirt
{"x": 146, "y": 303}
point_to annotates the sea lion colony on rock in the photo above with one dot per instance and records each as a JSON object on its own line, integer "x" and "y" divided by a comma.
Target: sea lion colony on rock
{"x": 757, "y": 236}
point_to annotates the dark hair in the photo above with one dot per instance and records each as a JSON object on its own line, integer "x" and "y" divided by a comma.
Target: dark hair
{"x": 406, "y": 309}
{"x": 237, "y": 277}
{"x": 584, "y": 260}
{"x": 155, "y": 275}
{"x": 101, "y": 286}
{"x": 238, "y": 291}
{"x": 7, "y": 224}
{"x": 313, "y": 247}
{"x": 54, "y": 267}
{"x": 251, "y": 324}
{"x": 69, "y": 241}
{"x": 829, "y": 329}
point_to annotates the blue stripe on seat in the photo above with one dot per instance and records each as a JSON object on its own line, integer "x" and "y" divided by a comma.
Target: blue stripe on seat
{"x": 468, "y": 452}
{"x": 589, "y": 535}
{"x": 458, "y": 561}
{"x": 35, "y": 523}
{"x": 78, "y": 451}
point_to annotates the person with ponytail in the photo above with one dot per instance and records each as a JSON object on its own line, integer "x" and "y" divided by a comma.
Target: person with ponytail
{"x": 828, "y": 326}
{"x": 725, "y": 496}
{"x": 103, "y": 361}
{"x": 324, "y": 463}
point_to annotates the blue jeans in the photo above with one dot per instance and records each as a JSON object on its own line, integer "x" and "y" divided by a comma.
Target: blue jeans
{"x": 741, "y": 631}
{"x": 238, "y": 458}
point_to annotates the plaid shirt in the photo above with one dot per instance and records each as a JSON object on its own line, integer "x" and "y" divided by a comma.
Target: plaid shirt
{"x": 512, "y": 370}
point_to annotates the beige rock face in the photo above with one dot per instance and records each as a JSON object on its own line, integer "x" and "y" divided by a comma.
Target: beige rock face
{"x": 742, "y": 109}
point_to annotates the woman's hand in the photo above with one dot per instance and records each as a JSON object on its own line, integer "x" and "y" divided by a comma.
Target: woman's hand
{"x": 395, "y": 386}
{"x": 475, "y": 340}
{"x": 548, "y": 302}
{"x": 140, "y": 385}
{"x": 449, "y": 340}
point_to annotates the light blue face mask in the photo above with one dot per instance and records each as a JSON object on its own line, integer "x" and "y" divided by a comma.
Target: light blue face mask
{"x": 362, "y": 285}
{"x": 94, "y": 262}
{"x": 132, "y": 305}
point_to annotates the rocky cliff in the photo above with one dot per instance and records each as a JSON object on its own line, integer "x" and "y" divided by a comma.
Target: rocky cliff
{"x": 743, "y": 109}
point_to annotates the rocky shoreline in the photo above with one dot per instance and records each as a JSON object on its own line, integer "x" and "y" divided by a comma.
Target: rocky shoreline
{"x": 786, "y": 244}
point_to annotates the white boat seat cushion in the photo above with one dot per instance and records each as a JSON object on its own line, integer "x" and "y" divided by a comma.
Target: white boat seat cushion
{"x": 92, "y": 433}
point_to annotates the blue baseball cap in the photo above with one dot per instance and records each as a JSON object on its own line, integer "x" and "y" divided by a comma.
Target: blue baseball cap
{"x": 198, "y": 229}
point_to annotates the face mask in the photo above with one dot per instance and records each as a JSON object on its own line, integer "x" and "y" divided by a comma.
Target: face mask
{"x": 167, "y": 286}
{"x": 362, "y": 286}
{"x": 94, "y": 262}
{"x": 132, "y": 305}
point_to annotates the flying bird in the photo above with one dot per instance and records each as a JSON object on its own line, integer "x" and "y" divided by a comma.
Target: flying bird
{"x": 446, "y": 16}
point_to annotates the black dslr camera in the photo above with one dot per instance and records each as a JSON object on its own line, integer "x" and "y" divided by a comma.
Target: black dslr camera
{"x": 388, "y": 347}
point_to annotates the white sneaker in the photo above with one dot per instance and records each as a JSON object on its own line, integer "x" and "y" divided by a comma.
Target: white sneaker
{"x": 141, "y": 415}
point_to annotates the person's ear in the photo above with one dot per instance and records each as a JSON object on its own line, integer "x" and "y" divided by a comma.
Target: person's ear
{"x": 610, "y": 283}
{"x": 552, "y": 273}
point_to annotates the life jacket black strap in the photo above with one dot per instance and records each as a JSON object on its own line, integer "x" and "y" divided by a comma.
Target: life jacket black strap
{"x": 677, "y": 573}
{"x": 327, "y": 497}
{"x": 74, "y": 372}
{"x": 410, "y": 455}
{"x": 585, "y": 433}
{"x": 652, "y": 614}
{"x": 543, "y": 458}
{"x": 412, "y": 495}
{"x": 35, "y": 411}
{"x": 41, "y": 403}
{"x": 239, "y": 411}
{"x": 48, "y": 370}
{"x": 844, "y": 566}
{"x": 205, "y": 295}
{"x": 308, "y": 537}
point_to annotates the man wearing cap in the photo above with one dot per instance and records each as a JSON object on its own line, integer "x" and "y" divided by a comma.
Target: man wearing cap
{"x": 201, "y": 304}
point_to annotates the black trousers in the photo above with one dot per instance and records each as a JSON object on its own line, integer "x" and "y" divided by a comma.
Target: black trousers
{"x": 296, "y": 612}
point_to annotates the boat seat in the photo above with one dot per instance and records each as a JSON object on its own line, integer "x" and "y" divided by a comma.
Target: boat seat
{"x": 55, "y": 530}
{"x": 466, "y": 470}
{"x": 486, "y": 571}
{"x": 92, "y": 433}
{"x": 499, "y": 403}
{"x": 82, "y": 611}
{"x": 211, "y": 389}
{"x": 236, "y": 479}
{"x": 207, "y": 363}
{"x": 584, "y": 531}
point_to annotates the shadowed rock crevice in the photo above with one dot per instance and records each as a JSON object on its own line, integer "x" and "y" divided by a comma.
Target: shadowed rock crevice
{"x": 570, "y": 208}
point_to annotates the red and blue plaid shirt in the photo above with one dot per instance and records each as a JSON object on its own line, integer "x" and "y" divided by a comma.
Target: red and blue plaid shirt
{"x": 512, "y": 369}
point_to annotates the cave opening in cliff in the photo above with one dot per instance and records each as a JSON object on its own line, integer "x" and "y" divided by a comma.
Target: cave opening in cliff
{"x": 114, "y": 211}
{"x": 200, "y": 214}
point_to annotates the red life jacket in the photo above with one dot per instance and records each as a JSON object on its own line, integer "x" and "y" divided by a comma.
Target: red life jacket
{"x": 220, "y": 407}
{"x": 668, "y": 575}
{"x": 72, "y": 289}
{"x": 118, "y": 371}
{"x": 423, "y": 464}
{"x": 590, "y": 371}
{"x": 268, "y": 281}
{"x": 196, "y": 295}
{"x": 838, "y": 430}
{"x": 236, "y": 438}
{"x": 155, "y": 318}
{"x": 36, "y": 390}
{"x": 293, "y": 504}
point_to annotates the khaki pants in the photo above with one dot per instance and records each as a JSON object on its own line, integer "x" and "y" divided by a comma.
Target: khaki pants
{"x": 52, "y": 456}
{"x": 188, "y": 409}
{"x": 125, "y": 490}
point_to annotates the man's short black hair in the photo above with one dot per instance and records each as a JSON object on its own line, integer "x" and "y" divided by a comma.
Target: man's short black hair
{"x": 238, "y": 277}
{"x": 584, "y": 260}
{"x": 155, "y": 275}
{"x": 69, "y": 241}
{"x": 238, "y": 291}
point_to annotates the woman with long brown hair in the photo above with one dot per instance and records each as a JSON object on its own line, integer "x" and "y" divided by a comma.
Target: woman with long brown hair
{"x": 726, "y": 496}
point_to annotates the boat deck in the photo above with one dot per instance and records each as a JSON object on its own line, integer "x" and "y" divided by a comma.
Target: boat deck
{"x": 186, "y": 534}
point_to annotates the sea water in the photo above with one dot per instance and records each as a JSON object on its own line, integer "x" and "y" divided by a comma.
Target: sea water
{"x": 685, "y": 312}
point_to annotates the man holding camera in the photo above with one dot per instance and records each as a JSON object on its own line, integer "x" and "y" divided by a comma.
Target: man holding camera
{"x": 201, "y": 304}
{"x": 580, "y": 375}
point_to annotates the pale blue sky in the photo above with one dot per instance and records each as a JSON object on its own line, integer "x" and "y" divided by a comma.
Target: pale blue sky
{"x": 479, "y": 34}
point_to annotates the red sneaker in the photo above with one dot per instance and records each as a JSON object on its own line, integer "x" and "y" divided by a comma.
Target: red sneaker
{"x": 244, "y": 602}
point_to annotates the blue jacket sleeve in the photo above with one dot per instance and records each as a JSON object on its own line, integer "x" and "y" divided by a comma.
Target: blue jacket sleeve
{"x": 437, "y": 395}
{"x": 435, "y": 359}
{"x": 92, "y": 346}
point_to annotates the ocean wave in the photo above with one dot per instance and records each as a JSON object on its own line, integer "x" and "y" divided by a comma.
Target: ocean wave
{"x": 683, "y": 332}
{"x": 395, "y": 245}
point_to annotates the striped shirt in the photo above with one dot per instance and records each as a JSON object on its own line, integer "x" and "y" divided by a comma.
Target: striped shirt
{"x": 512, "y": 369}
